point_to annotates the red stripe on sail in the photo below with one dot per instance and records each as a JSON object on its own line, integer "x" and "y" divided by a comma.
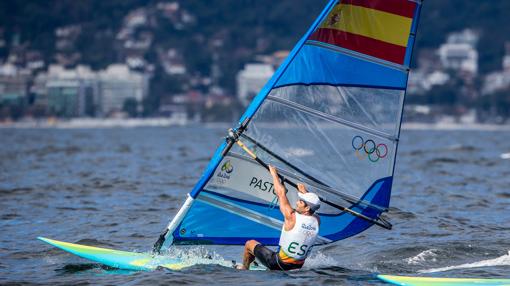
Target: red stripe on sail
{"x": 361, "y": 44}
{"x": 404, "y": 8}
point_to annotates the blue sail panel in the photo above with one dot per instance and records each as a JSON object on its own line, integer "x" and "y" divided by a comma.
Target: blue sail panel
{"x": 232, "y": 221}
{"x": 320, "y": 66}
{"x": 224, "y": 227}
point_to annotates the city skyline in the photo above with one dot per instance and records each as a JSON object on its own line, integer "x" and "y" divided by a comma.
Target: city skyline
{"x": 153, "y": 77}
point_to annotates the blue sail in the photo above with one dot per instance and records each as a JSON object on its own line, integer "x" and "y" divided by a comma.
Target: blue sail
{"x": 329, "y": 117}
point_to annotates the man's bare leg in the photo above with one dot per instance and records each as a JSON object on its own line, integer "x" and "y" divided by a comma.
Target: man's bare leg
{"x": 249, "y": 256}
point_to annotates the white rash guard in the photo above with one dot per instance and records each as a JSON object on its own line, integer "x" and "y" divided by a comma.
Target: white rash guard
{"x": 295, "y": 244}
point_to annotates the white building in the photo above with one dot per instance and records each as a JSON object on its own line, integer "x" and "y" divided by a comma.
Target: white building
{"x": 421, "y": 82}
{"x": 14, "y": 80}
{"x": 172, "y": 62}
{"x": 466, "y": 36}
{"x": 14, "y": 84}
{"x": 459, "y": 52}
{"x": 67, "y": 92}
{"x": 498, "y": 80}
{"x": 117, "y": 84}
{"x": 461, "y": 57}
{"x": 251, "y": 80}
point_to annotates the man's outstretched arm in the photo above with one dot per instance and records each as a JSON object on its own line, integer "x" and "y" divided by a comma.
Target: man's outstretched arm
{"x": 285, "y": 207}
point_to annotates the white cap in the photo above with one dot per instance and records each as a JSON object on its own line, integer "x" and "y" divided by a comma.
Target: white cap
{"x": 311, "y": 199}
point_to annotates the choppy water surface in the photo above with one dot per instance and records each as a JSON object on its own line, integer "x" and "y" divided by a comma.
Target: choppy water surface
{"x": 118, "y": 187}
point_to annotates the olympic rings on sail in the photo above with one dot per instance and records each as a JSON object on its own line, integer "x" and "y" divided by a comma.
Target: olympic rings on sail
{"x": 372, "y": 150}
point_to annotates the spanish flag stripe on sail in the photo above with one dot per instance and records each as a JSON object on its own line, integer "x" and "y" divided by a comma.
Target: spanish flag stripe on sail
{"x": 365, "y": 45}
{"x": 383, "y": 26}
{"x": 374, "y": 27}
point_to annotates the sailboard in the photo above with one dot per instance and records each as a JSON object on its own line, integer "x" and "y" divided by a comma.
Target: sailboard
{"x": 118, "y": 259}
{"x": 135, "y": 261}
{"x": 329, "y": 117}
{"x": 438, "y": 281}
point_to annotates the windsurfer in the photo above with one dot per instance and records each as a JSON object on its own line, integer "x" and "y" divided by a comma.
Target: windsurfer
{"x": 299, "y": 231}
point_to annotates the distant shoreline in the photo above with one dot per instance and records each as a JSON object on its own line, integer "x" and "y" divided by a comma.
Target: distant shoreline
{"x": 455, "y": 126}
{"x": 94, "y": 123}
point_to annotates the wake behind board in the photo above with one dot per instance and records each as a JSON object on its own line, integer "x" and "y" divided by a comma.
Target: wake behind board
{"x": 436, "y": 281}
{"x": 131, "y": 260}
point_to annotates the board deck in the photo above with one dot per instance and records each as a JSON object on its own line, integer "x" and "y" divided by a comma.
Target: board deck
{"x": 131, "y": 260}
{"x": 436, "y": 281}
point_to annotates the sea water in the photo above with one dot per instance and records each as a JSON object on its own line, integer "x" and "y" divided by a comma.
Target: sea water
{"x": 118, "y": 187}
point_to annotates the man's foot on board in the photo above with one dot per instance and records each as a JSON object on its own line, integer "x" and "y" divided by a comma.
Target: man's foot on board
{"x": 240, "y": 267}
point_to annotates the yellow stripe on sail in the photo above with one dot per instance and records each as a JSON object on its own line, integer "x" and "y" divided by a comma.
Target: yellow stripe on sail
{"x": 375, "y": 24}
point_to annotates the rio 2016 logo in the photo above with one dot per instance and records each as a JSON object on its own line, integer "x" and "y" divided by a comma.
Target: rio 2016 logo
{"x": 224, "y": 174}
{"x": 227, "y": 167}
{"x": 372, "y": 150}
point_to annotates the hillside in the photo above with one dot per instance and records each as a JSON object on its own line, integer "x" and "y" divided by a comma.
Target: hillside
{"x": 211, "y": 39}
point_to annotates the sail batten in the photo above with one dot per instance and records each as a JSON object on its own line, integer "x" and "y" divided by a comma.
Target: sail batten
{"x": 330, "y": 118}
